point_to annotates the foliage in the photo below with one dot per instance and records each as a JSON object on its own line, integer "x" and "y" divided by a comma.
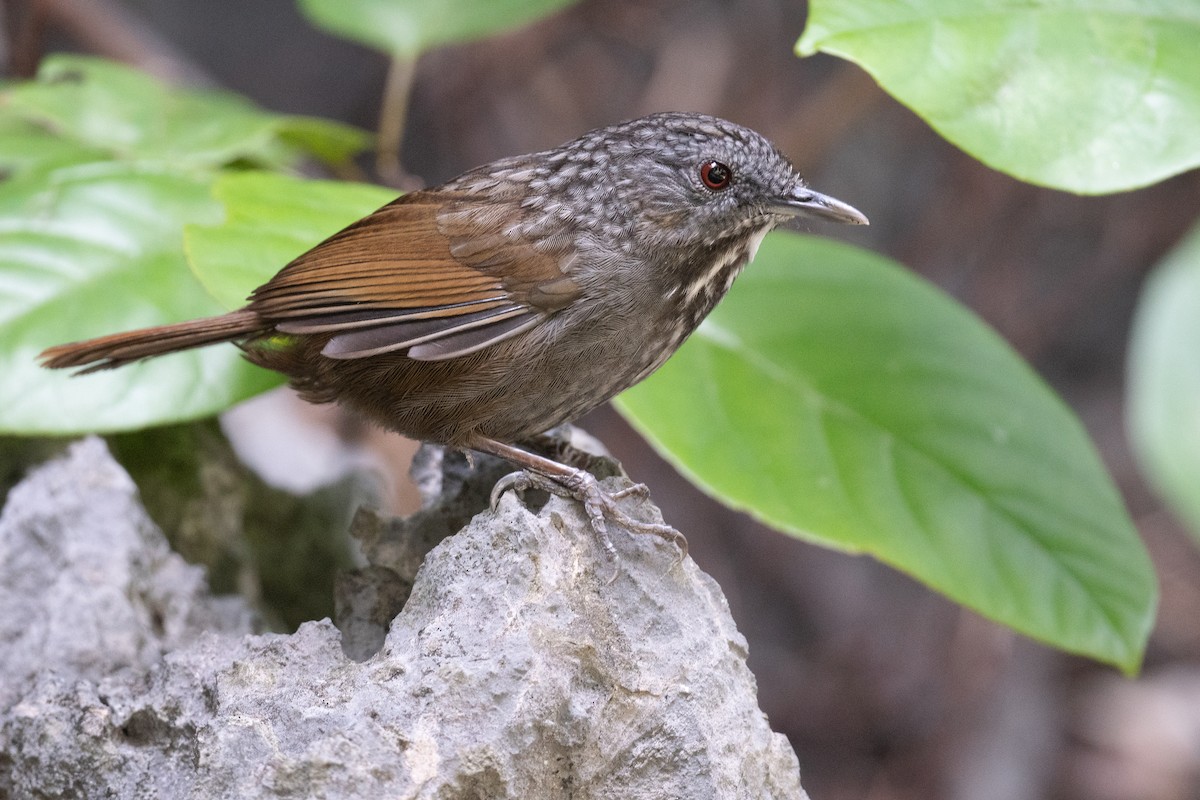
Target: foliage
{"x": 848, "y": 402}
{"x": 407, "y": 28}
{"x": 105, "y": 168}
{"x": 868, "y": 411}
{"x": 1083, "y": 95}
{"x": 270, "y": 219}
{"x": 1089, "y": 96}
{"x": 96, "y": 248}
{"x": 85, "y": 109}
{"x": 1164, "y": 380}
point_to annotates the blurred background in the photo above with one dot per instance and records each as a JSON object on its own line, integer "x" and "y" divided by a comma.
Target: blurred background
{"x": 884, "y": 689}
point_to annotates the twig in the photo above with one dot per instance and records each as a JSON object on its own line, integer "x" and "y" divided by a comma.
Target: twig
{"x": 106, "y": 28}
{"x": 392, "y": 115}
{"x": 27, "y": 28}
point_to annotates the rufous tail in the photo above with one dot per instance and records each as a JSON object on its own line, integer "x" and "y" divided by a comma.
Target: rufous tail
{"x": 119, "y": 349}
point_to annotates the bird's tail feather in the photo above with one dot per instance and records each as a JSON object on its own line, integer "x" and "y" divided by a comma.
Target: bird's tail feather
{"x": 119, "y": 349}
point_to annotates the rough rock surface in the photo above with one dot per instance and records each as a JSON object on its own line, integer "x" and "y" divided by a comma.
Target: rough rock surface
{"x": 522, "y": 666}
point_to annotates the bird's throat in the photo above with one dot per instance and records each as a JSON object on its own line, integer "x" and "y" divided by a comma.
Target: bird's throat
{"x": 714, "y": 270}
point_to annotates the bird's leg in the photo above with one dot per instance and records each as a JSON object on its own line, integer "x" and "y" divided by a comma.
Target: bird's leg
{"x": 558, "y": 445}
{"x": 564, "y": 481}
{"x": 559, "y": 448}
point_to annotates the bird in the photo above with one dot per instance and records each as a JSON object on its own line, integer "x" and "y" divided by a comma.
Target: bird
{"x": 520, "y": 295}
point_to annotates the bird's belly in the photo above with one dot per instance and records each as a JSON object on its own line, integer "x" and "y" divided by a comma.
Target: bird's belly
{"x": 510, "y": 391}
{"x": 561, "y": 383}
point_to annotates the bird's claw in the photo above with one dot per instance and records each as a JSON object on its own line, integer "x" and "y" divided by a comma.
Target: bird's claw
{"x": 638, "y": 490}
{"x": 599, "y": 505}
{"x": 519, "y": 482}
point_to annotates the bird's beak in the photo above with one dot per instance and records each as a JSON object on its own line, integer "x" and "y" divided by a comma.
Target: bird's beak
{"x": 804, "y": 202}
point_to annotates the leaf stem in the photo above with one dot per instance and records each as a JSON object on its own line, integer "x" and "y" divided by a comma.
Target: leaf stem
{"x": 393, "y": 113}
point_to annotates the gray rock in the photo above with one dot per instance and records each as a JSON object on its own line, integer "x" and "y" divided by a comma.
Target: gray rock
{"x": 88, "y": 585}
{"x": 524, "y": 665}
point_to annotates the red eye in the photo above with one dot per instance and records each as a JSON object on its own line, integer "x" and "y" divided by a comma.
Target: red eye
{"x": 715, "y": 175}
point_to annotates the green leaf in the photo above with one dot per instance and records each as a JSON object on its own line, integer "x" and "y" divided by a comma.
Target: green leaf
{"x": 124, "y": 114}
{"x": 92, "y": 249}
{"x": 1089, "y": 96}
{"x": 25, "y": 146}
{"x": 409, "y": 27}
{"x": 328, "y": 141}
{"x": 841, "y": 399}
{"x": 1164, "y": 380}
{"x": 102, "y": 168}
{"x": 269, "y": 220}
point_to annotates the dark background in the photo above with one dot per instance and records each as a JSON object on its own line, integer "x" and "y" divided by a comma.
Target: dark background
{"x": 885, "y": 690}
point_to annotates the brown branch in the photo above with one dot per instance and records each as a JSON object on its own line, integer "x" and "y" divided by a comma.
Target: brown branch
{"x": 108, "y": 29}
{"x": 27, "y": 25}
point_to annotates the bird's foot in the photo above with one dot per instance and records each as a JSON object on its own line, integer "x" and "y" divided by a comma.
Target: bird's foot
{"x": 558, "y": 446}
{"x": 599, "y": 504}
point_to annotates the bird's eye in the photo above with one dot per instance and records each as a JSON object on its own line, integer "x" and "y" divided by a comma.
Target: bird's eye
{"x": 715, "y": 175}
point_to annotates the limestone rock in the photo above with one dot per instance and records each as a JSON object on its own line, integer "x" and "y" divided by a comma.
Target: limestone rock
{"x": 523, "y": 665}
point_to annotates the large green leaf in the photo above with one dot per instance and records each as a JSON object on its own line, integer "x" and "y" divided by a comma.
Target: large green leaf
{"x": 92, "y": 249}
{"x": 1084, "y": 95}
{"x": 269, "y": 220}
{"x": 100, "y": 169}
{"x": 409, "y": 27}
{"x": 837, "y": 397}
{"x": 25, "y": 146}
{"x": 123, "y": 114}
{"x": 1164, "y": 380}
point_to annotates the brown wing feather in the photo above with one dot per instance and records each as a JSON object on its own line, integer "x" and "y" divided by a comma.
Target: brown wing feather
{"x": 394, "y": 258}
{"x": 430, "y": 267}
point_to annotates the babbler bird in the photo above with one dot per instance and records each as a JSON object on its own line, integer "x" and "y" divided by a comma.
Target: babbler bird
{"x": 517, "y": 296}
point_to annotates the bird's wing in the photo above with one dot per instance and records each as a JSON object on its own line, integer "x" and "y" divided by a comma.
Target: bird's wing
{"x": 433, "y": 273}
